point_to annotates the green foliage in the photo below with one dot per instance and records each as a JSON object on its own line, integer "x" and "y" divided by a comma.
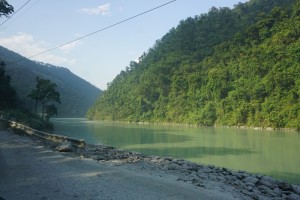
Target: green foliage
{"x": 26, "y": 118}
{"x": 7, "y": 93}
{"x": 77, "y": 94}
{"x": 5, "y": 8}
{"x": 45, "y": 93}
{"x": 236, "y": 67}
{"x": 11, "y": 110}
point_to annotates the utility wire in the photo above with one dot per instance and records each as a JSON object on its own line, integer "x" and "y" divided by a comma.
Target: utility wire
{"x": 15, "y": 12}
{"x": 97, "y": 31}
{"x": 15, "y": 18}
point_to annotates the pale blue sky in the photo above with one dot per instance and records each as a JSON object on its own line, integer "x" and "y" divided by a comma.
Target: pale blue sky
{"x": 44, "y": 24}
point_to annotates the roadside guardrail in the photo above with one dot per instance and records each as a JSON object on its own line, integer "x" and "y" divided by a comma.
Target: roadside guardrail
{"x": 46, "y": 136}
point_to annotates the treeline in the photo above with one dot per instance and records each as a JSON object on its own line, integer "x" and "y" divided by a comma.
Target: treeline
{"x": 10, "y": 108}
{"x": 237, "y": 67}
{"x": 77, "y": 94}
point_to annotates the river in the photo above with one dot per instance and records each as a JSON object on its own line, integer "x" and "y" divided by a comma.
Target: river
{"x": 273, "y": 153}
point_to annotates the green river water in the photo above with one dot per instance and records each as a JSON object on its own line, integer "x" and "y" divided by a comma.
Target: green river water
{"x": 274, "y": 153}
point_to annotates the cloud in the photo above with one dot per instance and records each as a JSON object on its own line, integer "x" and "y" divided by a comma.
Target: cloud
{"x": 100, "y": 10}
{"x": 68, "y": 47}
{"x": 26, "y": 45}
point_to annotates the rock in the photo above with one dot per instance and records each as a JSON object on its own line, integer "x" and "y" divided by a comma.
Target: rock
{"x": 250, "y": 180}
{"x": 294, "y": 196}
{"x": 206, "y": 169}
{"x": 154, "y": 160}
{"x": 64, "y": 147}
{"x": 277, "y": 191}
{"x": 168, "y": 158}
{"x": 185, "y": 166}
{"x": 287, "y": 192}
{"x": 238, "y": 175}
{"x": 213, "y": 177}
{"x": 268, "y": 182}
{"x": 98, "y": 157}
{"x": 259, "y": 176}
{"x": 202, "y": 175}
{"x": 231, "y": 179}
{"x": 172, "y": 166}
{"x": 296, "y": 189}
{"x": 242, "y": 186}
{"x": 180, "y": 162}
{"x": 283, "y": 185}
{"x": 193, "y": 167}
{"x": 254, "y": 195}
{"x": 220, "y": 178}
{"x": 264, "y": 189}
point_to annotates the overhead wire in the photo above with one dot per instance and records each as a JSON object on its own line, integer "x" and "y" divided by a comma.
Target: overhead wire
{"x": 15, "y": 12}
{"x": 25, "y": 11}
{"x": 93, "y": 33}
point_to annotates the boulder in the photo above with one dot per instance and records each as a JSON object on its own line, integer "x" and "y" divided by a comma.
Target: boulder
{"x": 65, "y": 147}
{"x": 250, "y": 180}
{"x": 296, "y": 189}
{"x": 268, "y": 182}
{"x": 294, "y": 196}
{"x": 172, "y": 166}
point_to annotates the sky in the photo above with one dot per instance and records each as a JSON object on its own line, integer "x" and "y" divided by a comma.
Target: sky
{"x": 45, "y": 24}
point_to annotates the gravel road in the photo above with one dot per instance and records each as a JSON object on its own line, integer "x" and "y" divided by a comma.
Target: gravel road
{"x": 29, "y": 171}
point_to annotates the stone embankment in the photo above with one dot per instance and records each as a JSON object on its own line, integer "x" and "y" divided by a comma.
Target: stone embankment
{"x": 249, "y": 186}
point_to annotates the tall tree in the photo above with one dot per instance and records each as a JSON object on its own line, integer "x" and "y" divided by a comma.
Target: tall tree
{"x": 7, "y": 93}
{"x": 5, "y": 8}
{"x": 45, "y": 93}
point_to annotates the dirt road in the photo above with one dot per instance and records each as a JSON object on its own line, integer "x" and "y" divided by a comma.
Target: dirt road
{"x": 28, "y": 171}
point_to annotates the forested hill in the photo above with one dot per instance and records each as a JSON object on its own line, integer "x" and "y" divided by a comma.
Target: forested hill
{"x": 232, "y": 67}
{"x": 76, "y": 94}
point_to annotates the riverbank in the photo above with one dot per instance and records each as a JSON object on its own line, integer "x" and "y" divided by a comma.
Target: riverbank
{"x": 216, "y": 125}
{"x": 235, "y": 184}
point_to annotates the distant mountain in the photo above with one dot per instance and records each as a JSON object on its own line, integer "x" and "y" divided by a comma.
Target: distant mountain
{"x": 236, "y": 67}
{"x": 77, "y": 95}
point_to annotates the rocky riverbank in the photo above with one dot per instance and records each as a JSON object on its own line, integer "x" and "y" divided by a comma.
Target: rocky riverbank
{"x": 241, "y": 184}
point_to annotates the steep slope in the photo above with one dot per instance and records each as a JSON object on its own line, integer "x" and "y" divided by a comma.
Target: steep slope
{"x": 77, "y": 95}
{"x": 226, "y": 67}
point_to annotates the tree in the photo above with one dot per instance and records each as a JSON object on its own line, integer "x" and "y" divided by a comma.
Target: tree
{"x": 227, "y": 67}
{"x": 7, "y": 93}
{"x": 50, "y": 110}
{"x": 5, "y": 8}
{"x": 45, "y": 93}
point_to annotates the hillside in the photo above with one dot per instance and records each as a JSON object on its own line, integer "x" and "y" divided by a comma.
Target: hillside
{"x": 236, "y": 67}
{"x": 77, "y": 95}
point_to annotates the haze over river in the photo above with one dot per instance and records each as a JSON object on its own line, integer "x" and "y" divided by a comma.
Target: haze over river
{"x": 274, "y": 153}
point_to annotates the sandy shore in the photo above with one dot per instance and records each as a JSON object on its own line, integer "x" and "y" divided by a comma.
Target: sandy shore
{"x": 32, "y": 169}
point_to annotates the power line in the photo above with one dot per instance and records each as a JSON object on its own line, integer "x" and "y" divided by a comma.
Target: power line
{"x": 15, "y": 18}
{"x": 97, "y": 31}
{"x": 15, "y": 12}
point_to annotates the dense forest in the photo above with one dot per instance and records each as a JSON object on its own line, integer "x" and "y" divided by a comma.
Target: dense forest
{"x": 77, "y": 95}
{"x": 7, "y": 97}
{"x": 235, "y": 67}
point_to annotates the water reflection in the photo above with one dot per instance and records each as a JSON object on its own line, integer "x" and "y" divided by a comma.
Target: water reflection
{"x": 268, "y": 152}
{"x": 124, "y": 136}
{"x": 193, "y": 152}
